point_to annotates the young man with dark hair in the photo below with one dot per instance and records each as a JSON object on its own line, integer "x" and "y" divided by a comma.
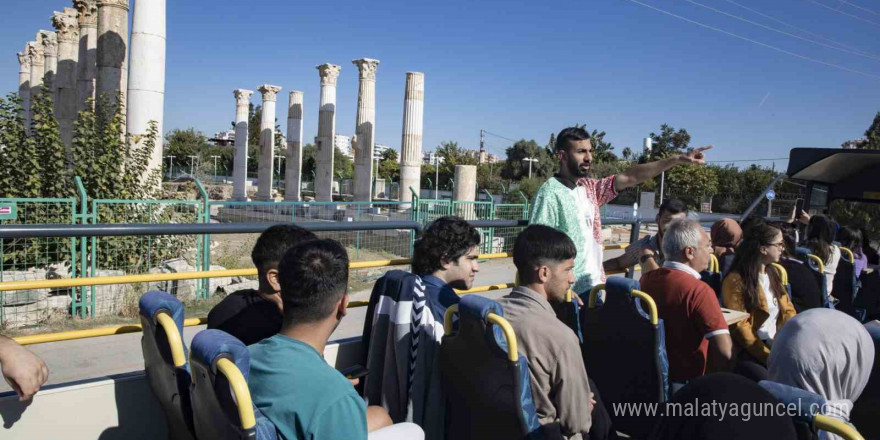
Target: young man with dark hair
{"x": 445, "y": 258}
{"x": 648, "y": 251}
{"x": 571, "y": 201}
{"x": 290, "y": 381}
{"x": 253, "y": 315}
{"x": 544, "y": 258}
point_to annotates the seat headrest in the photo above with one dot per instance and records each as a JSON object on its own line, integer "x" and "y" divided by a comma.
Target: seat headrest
{"x": 808, "y": 404}
{"x": 209, "y": 345}
{"x": 618, "y": 290}
{"x": 479, "y": 307}
{"x": 154, "y": 301}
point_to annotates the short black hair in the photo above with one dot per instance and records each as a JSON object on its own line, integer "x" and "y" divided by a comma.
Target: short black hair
{"x": 444, "y": 240}
{"x": 274, "y": 243}
{"x": 567, "y": 135}
{"x": 537, "y": 245}
{"x": 313, "y": 277}
{"x": 672, "y": 206}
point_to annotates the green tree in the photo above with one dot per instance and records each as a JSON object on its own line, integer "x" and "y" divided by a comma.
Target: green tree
{"x": 181, "y": 144}
{"x": 516, "y": 168}
{"x": 873, "y": 134}
{"x": 627, "y": 154}
{"x": 389, "y": 167}
{"x": 51, "y": 152}
{"x": 451, "y": 155}
{"x": 343, "y": 167}
{"x": 691, "y": 184}
{"x": 309, "y": 166}
{"x": 668, "y": 142}
{"x": 602, "y": 149}
{"x": 18, "y": 156}
{"x": 729, "y": 200}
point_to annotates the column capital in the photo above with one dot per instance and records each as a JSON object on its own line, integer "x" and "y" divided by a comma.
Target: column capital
{"x": 123, "y": 4}
{"x": 329, "y": 74}
{"x": 366, "y": 67}
{"x": 25, "y": 61}
{"x": 35, "y": 53}
{"x": 296, "y": 95}
{"x": 242, "y": 96}
{"x": 87, "y": 13}
{"x": 50, "y": 43}
{"x": 66, "y": 25}
{"x": 269, "y": 92}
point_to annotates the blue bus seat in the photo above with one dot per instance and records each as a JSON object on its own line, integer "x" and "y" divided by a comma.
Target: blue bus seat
{"x": 569, "y": 313}
{"x": 221, "y": 401}
{"x": 625, "y": 352}
{"x": 486, "y": 380}
{"x": 806, "y": 409}
{"x": 165, "y": 360}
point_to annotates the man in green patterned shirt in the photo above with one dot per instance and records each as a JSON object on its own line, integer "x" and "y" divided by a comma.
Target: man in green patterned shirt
{"x": 570, "y": 201}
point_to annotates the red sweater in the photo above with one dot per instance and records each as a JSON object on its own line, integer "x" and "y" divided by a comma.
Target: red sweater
{"x": 690, "y": 312}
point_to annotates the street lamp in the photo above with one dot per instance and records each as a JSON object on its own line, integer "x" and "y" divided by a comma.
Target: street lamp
{"x": 192, "y": 165}
{"x": 530, "y": 160}
{"x": 215, "y": 166}
{"x": 170, "y": 166}
{"x": 436, "y": 161}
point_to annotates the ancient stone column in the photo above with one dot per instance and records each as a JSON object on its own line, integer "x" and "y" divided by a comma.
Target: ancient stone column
{"x": 365, "y": 129}
{"x": 112, "y": 52}
{"x": 146, "y": 80}
{"x": 411, "y": 144}
{"x": 88, "y": 52}
{"x": 267, "y": 143}
{"x": 239, "y": 165}
{"x": 293, "y": 154}
{"x": 50, "y": 52}
{"x": 24, "y": 83}
{"x": 326, "y": 132}
{"x": 67, "y": 34}
{"x": 35, "y": 54}
{"x": 465, "y": 190}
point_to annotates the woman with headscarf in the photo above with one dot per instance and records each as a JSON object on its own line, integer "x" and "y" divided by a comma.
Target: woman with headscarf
{"x": 755, "y": 287}
{"x": 726, "y": 235}
{"x": 724, "y": 390}
{"x": 826, "y": 352}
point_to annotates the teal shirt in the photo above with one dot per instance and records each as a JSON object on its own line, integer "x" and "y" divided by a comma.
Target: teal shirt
{"x": 301, "y": 394}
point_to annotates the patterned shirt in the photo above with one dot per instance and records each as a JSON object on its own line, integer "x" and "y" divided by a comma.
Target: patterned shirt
{"x": 573, "y": 208}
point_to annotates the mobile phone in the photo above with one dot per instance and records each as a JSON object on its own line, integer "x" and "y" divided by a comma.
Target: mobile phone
{"x": 355, "y": 372}
{"x": 798, "y": 208}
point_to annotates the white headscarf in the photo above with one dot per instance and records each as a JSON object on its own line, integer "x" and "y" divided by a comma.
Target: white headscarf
{"x": 826, "y": 352}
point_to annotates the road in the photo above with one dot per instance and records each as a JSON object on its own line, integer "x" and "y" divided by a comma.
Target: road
{"x": 96, "y": 357}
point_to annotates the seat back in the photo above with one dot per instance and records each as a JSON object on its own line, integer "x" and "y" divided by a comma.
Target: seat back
{"x": 569, "y": 313}
{"x": 868, "y": 298}
{"x": 865, "y": 410}
{"x": 165, "y": 359}
{"x": 784, "y": 275}
{"x": 221, "y": 401}
{"x": 624, "y": 351}
{"x": 712, "y": 276}
{"x": 818, "y": 266}
{"x": 806, "y": 409}
{"x": 845, "y": 286}
{"x": 486, "y": 380}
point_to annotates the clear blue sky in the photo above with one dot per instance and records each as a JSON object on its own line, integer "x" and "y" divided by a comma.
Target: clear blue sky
{"x": 525, "y": 69}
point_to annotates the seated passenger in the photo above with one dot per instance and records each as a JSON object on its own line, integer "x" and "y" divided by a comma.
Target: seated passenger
{"x": 290, "y": 381}
{"x": 726, "y": 235}
{"x": 253, "y": 315}
{"x": 648, "y": 251}
{"x": 806, "y": 289}
{"x": 24, "y": 371}
{"x": 544, "y": 257}
{"x": 754, "y": 287}
{"x": 445, "y": 257}
{"x": 851, "y": 238}
{"x": 695, "y": 326}
{"x": 820, "y": 237}
{"x": 869, "y": 249}
{"x": 733, "y": 395}
{"x": 826, "y": 352}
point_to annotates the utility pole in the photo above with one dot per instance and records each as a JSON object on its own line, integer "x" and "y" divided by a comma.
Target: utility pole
{"x": 530, "y": 160}
{"x": 215, "y": 166}
{"x": 648, "y": 144}
{"x": 171, "y": 166}
{"x": 437, "y": 176}
{"x": 192, "y": 165}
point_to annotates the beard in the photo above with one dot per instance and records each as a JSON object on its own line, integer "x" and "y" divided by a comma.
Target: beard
{"x": 576, "y": 169}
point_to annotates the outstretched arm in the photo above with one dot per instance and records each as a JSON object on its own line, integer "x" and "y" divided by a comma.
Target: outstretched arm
{"x": 642, "y": 172}
{"x": 23, "y": 370}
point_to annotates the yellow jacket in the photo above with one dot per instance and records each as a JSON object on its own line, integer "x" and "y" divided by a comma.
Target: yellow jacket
{"x": 745, "y": 332}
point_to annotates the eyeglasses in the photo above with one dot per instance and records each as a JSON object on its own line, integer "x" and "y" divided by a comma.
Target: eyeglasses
{"x": 780, "y": 245}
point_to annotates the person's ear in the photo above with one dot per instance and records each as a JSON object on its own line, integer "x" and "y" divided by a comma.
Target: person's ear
{"x": 544, "y": 274}
{"x": 445, "y": 264}
{"x": 272, "y": 279}
{"x": 690, "y": 253}
{"x": 342, "y": 307}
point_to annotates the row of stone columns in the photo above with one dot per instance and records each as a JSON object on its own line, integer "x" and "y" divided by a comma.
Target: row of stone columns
{"x": 363, "y": 143}
{"x": 86, "y": 59}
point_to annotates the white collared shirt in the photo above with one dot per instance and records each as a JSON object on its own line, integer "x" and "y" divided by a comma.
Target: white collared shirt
{"x": 682, "y": 267}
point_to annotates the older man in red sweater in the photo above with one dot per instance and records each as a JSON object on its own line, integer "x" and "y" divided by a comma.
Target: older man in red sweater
{"x": 695, "y": 326}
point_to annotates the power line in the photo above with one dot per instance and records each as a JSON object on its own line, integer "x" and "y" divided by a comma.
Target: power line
{"x": 780, "y": 31}
{"x": 796, "y": 55}
{"x": 748, "y": 160}
{"x": 499, "y": 136}
{"x": 844, "y": 13}
{"x": 769, "y": 17}
{"x": 859, "y": 7}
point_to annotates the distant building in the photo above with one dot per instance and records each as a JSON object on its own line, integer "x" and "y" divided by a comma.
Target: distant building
{"x": 223, "y": 138}
{"x": 380, "y": 149}
{"x": 428, "y": 158}
{"x": 343, "y": 142}
{"x": 855, "y": 144}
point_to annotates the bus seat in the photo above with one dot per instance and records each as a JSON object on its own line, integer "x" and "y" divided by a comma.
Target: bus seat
{"x": 165, "y": 360}
{"x": 818, "y": 266}
{"x": 865, "y": 410}
{"x": 868, "y": 298}
{"x": 784, "y": 275}
{"x": 624, "y": 351}
{"x": 221, "y": 401}
{"x": 805, "y": 408}
{"x": 845, "y": 287}
{"x": 712, "y": 276}
{"x": 487, "y": 385}
{"x": 569, "y": 313}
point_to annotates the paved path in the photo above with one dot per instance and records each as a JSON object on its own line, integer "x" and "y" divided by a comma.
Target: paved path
{"x": 95, "y": 357}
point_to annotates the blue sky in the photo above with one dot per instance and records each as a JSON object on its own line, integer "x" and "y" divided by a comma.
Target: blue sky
{"x": 526, "y": 69}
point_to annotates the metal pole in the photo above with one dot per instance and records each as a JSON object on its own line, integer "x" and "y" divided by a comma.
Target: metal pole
{"x": 530, "y": 169}
{"x": 761, "y": 196}
{"x": 192, "y": 166}
{"x": 436, "y": 177}
{"x": 662, "y": 181}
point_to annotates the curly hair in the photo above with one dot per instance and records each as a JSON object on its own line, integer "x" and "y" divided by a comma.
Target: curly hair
{"x": 445, "y": 240}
